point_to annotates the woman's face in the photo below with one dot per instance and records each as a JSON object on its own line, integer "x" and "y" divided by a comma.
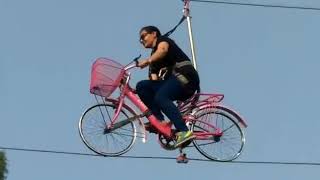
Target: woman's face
{"x": 148, "y": 40}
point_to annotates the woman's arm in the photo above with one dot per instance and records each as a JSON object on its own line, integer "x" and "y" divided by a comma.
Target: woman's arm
{"x": 161, "y": 52}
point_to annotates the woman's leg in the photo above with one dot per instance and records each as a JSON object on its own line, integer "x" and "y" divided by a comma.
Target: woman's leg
{"x": 146, "y": 90}
{"x": 170, "y": 91}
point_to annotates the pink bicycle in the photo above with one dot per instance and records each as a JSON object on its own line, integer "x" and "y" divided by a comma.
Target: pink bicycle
{"x": 110, "y": 128}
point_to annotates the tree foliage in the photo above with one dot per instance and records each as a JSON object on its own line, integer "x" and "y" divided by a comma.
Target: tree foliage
{"x": 3, "y": 165}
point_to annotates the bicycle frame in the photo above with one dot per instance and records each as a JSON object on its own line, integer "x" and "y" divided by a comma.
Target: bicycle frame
{"x": 188, "y": 106}
{"x": 127, "y": 92}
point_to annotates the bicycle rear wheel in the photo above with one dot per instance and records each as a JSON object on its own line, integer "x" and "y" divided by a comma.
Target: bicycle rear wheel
{"x": 93, "y": 123}
{"x": 226, "y": 147}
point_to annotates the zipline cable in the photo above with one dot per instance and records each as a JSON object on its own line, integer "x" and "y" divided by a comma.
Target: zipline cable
{"x": 159, "y": 157}
{"x": 258, "y": 5}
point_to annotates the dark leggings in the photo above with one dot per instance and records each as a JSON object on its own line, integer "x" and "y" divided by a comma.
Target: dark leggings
{"x": 159, "y": 96}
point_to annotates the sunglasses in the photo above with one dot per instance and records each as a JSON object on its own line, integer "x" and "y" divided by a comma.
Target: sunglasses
{"x": 142, "y": 37}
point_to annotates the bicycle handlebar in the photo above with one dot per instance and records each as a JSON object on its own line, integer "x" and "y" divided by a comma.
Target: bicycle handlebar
{"x": 131, "y": 65}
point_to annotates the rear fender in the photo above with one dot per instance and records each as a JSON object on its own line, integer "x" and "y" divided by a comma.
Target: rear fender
{"x": 239, "y": 118}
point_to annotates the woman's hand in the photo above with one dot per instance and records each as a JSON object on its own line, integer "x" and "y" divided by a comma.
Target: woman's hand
{"x": 143, "y": 63}
{"x": 153, "y": 77}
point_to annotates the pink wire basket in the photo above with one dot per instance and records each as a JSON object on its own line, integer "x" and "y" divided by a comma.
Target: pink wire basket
{"x": 106, "y": 75}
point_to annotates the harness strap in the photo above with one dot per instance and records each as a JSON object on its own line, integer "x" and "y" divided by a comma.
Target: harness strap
{"x": 176, "y": 72}
{"x": 173, "y": 29}
{"x": 183, "y": 63}
{"x": 173, "y": 69}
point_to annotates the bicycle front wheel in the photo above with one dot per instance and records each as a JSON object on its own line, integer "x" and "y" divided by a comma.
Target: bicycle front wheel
{"x": 224, "y": 147}
{"x": 92, "y": 126}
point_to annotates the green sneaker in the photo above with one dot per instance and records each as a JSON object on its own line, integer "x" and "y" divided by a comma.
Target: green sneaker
{"x": 183, "y": 137}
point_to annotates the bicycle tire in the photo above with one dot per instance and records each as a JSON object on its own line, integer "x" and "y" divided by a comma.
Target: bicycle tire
{"x": 227, "y": 147}
{"x": 91, "y": 128}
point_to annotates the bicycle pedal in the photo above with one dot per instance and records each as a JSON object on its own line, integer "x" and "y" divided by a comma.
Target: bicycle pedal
{"x": 182, "y": 159}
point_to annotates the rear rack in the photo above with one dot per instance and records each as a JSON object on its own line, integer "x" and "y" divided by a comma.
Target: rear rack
{"x": 199, "y": 99}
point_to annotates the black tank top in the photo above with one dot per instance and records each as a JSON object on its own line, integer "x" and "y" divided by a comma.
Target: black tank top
{"x": 173, "y": 56}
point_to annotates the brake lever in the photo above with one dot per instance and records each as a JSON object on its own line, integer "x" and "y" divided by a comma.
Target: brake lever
{"x": 136, "y": 60}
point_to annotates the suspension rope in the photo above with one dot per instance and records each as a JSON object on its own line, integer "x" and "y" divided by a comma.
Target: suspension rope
{"x": 175, "y": 27}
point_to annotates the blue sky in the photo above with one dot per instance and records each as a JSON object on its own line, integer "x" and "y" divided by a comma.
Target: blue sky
{"x": 263, "y": 59}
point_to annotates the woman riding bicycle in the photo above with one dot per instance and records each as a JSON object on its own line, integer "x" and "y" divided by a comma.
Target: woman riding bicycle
{"x": 171, "y": 77}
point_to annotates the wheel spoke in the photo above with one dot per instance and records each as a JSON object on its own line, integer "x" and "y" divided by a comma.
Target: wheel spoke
{"x": 228, "y": 128}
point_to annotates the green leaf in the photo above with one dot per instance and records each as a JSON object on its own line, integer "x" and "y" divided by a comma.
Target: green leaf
{"x": 3, "y": 166}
